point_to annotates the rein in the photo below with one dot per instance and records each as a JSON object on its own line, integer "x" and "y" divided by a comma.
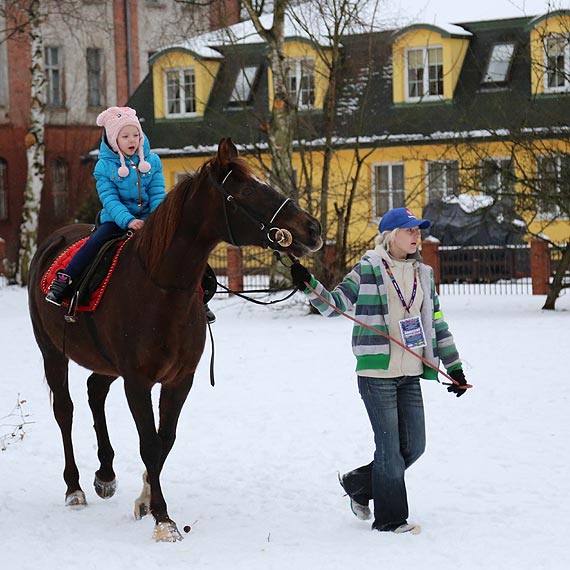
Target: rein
{"x": 386, "y": 335}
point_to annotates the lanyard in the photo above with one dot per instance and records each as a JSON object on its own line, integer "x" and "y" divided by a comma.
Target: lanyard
{"x": 397, "y": 287}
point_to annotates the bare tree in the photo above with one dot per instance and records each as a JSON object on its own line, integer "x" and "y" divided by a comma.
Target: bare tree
{"x": 25, "y": 19}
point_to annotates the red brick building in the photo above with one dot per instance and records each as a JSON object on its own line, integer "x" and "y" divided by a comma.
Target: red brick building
{"x": 94, "y": 58}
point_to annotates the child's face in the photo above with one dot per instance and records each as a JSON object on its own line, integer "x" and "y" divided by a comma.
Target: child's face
{"x": 128, "y": 140}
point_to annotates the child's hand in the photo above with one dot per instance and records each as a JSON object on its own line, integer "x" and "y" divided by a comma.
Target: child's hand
{"x": 136, "y": 225}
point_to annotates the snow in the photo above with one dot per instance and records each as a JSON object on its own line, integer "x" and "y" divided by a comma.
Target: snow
{"x": 254, "y": 468}
{"x": 470, "y": 202}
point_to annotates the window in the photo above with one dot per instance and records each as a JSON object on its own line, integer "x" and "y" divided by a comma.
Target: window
{"x": 180, "y": 92}
{"x": 497, "y": 176}
{"x": 3, "y": 190}
{"x": 442, "y": 179}
{"x": 59, "y": 188}
{"x": 243, "y": 86}
{"x": 301, "y": 82}
{"x": 94, "y": 77}
{"x": 557, "y": 76}
{"x": 553, "y": 183}
{"x": 499, "y": 63}
{"x": 424, "y": 70}
{"x": 388, "y": 188}
{"x": 54, "y": 76}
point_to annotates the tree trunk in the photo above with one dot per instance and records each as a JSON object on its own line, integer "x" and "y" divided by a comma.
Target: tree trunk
{"x": 558, "y": 282}
{"x": 35, "y": 150}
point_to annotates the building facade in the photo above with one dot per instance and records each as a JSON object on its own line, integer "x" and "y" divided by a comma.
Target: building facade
{"x": 422, "y": 113}
{"x": 95, "y": 54}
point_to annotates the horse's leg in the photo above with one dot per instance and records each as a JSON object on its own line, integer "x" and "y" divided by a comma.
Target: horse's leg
{"x": 105, "y": 482}
{"x": 172, "y": 399}
{"x": 140, "y": 403}
{"x": 56, "y": 370}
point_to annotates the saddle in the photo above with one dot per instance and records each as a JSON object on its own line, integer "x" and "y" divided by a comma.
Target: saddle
{"x": 91, "y": 285}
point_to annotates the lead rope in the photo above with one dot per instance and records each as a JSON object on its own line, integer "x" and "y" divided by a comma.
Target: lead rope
{"x": 386, "y": 335}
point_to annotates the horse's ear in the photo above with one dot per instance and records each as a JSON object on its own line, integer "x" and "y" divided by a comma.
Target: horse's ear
{"x": 227, "y": 151}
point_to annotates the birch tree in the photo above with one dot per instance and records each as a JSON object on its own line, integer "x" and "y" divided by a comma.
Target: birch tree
{"x": 26, "y": 20}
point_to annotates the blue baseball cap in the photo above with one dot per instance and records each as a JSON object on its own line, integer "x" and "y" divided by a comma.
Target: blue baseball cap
{"x": 401, "y": 218}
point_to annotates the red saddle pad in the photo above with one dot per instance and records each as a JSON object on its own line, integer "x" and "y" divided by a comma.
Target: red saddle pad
{"x": 64, "y": 258}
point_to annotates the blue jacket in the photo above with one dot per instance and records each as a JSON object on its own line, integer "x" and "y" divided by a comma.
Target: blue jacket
{"x": 119, "y": 196}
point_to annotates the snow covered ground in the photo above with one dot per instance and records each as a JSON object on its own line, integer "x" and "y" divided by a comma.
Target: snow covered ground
{"x": 254, "y": 469}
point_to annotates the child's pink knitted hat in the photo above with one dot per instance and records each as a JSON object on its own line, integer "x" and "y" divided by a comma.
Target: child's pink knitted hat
{"x": 113, "y": 120}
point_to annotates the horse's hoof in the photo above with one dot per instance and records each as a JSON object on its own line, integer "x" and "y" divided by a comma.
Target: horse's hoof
{"x": 76, "y": 500}
{"x": 166, "y": 532}
{"x": 141, "y": 510}
{"x": 105, "y": 489}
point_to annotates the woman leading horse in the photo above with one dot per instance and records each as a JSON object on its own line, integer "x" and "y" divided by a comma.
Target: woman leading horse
{"x": 150, "y": 325}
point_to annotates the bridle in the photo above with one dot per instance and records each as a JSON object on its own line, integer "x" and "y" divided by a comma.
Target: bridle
{"x": 275, "y": 236}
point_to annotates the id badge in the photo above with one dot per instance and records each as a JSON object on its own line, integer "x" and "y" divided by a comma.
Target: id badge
{"x": 412, "y": 332}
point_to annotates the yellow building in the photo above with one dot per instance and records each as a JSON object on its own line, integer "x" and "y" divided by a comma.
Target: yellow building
{"x": 423, "y": 115}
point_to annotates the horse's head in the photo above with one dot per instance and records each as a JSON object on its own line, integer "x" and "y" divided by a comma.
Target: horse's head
{"x": 257, "y": 214}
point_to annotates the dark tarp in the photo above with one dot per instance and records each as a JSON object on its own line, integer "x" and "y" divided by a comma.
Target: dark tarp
{"x": 496, "y": 224}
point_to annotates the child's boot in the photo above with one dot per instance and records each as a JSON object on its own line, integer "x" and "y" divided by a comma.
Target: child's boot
{"x": 59, "y": 288}
{"x": 210, "y": 317}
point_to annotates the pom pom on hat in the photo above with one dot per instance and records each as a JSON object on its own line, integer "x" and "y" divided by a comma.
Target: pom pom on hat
{"x": 113, "y": 120}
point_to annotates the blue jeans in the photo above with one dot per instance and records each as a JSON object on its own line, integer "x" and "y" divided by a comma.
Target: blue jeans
{"x": 396, "y": 411}
{"x": 89, "y": 249}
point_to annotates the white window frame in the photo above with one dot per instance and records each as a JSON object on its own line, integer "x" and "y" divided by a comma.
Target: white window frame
{"x": 448, "y": 189}
{"x": 566, "y": 64}
{"x": 297, "y": 68}
{"x": 543, "y": 214}
{"x": 425, "y": 96}
{"x": 3, "y": 189}
{"x": 391, "y": 191}
{"x": 499, "y": 64}
{"x": 243, "y": 85}
{"x": 183, "y": 111}
{"x": 54, "y": 76}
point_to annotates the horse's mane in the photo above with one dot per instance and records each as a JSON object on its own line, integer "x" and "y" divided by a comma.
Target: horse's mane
{"x": 158, "y": 231}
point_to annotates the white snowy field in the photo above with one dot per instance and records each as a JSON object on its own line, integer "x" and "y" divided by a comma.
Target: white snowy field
{"x": 254, "y": 469}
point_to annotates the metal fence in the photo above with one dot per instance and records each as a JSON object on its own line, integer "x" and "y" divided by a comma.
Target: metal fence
{"x": 485, "y": 270}
{"x": 482, "y": 270}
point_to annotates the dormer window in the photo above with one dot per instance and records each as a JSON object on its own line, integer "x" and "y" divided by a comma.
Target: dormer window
{"x": 499, "y": 64}
{"x": 557, "y": 74}
{"x": 243, "y": 86}
{"x": 301, "y": 82}
{"x": 424, "y": 73}
{"x": 180, "y": 92}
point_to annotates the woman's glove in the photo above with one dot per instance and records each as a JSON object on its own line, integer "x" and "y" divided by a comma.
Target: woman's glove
{"x": 300, "y": 275}
{"x": 459, "y": 377}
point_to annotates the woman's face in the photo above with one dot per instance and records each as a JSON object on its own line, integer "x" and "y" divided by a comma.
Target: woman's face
{"x": 128, "y": 140}
{"x": 405, "y": 242}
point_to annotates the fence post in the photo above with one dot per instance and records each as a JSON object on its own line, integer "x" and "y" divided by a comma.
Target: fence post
{"x": 235, "y": 268}
{"x": 539, "y": 266}
{"x": 430, "y": 255}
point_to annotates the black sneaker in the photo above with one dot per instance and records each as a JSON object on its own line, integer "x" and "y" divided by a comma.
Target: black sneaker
{"x": 210, "y": 317}
{"x": 358, "y": 503}
{"x": 59, "y": 289}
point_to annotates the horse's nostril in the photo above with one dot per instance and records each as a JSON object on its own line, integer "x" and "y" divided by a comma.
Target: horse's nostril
{"x": 315, "y": 230}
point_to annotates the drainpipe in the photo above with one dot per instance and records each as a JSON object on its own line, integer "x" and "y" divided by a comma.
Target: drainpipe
{"x": 128, "y": 48}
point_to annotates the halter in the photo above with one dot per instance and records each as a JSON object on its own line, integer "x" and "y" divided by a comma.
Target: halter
{"x": 281, "y": 237}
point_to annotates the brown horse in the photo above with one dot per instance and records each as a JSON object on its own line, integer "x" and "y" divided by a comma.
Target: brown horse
{"x": 150, "y": 326}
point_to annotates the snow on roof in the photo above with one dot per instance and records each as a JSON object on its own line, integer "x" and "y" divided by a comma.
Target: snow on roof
{"x": 470, "y": 203}
{"x": 312, "y": 20}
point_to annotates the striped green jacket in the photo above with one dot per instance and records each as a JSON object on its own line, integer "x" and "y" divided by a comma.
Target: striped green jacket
{"x": 364, "y": 288}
